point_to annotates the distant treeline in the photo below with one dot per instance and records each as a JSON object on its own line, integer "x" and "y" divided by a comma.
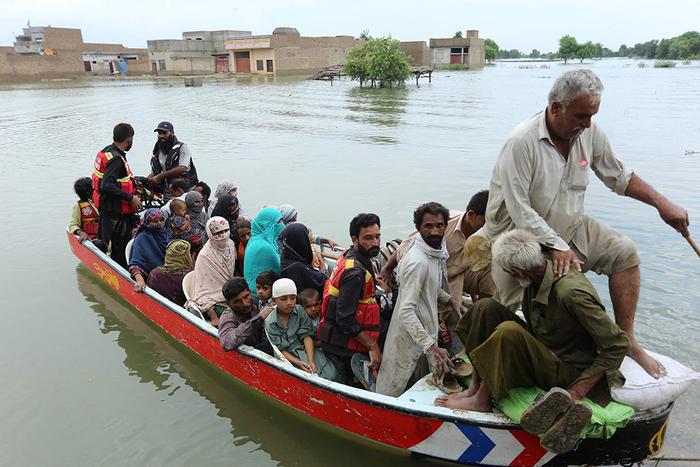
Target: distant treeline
{"x": 683, "y": 47}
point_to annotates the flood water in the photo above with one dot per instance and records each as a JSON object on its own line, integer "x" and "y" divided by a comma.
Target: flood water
{"x": 86, "y": 381}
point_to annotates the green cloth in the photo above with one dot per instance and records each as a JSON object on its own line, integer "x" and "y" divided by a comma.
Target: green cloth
{"x": 177, "y": 257}
{"x": 291, "y": 339}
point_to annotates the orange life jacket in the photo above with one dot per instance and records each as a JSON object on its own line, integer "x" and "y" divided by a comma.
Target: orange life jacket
{"x": 126, "y": 184}
{"x": 368, "y": 310}
{"x": 89, "y": 219}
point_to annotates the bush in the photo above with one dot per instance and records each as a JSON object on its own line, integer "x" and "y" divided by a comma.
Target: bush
{"x": 642, "y": 64}
{"x": 664, "y": 64}
{"x": 378, "y": 61}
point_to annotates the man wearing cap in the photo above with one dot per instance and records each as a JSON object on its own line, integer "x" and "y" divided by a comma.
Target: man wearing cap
{"x": 171, "y": 159}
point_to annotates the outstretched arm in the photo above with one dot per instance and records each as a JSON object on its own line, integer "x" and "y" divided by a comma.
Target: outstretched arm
{"x": 673, "y": 214}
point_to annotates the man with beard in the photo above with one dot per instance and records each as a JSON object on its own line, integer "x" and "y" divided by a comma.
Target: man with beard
{"x": 243, "y": 323}
{"x": 349, "y": 311}
{"x": 171, "y": 159}
{"x": 114, "y": 193}
{"x": 413, "y": 331}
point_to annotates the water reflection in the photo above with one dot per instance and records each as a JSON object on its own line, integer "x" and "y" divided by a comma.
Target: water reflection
{"x": 383, "y": 106}
{"x": 257, "y": 423}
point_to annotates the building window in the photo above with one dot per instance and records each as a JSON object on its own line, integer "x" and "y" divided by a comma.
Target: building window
{"x": 269, "y": 66}
{"x": 259, "y": 65}
{"x": 459, "y": 55}
{"x": 154, "y": 67}
{"x": 161, "y": 65}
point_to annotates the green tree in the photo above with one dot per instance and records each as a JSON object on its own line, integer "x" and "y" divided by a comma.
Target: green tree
{"x": 586, "y": 50}
{"x": 535, "y": 53}
{"x": 365, "y": 35}
{"x": 599, "y": 50}
{"x": 622, "y": 51}
{"x": 458, "y": 35}
{"x": 568, "y": 47}
{"x": 378, "y": 62}
{"x": 490, "y": 50}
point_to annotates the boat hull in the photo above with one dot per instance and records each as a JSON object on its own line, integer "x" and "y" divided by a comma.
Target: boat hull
{"x": 481, "y": 441}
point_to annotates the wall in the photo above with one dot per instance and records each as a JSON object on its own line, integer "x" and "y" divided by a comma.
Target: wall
{"x": 418, "y": 51}
{"x": 477, "y": 53}
{"x": 264, "y": 55}
{"x": 295, "y": 55}
{"x": 14, "y": 67}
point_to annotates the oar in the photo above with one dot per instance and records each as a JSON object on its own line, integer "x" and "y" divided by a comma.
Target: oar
{"x": 693, "y": 244}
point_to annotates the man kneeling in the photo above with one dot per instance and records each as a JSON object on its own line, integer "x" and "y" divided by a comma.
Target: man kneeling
{"x": 567, "y": 342}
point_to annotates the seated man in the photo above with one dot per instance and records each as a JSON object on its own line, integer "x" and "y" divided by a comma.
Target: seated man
{"x": 567, "y": 342}
{"x": 243, "y": 323}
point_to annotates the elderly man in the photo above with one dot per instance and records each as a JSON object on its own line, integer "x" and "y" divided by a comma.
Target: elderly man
{"x": 539, "y": 184}
{"x": 568, "y": 341}
{"x": 413, "y": 330}
{"x": 243, "y": 323}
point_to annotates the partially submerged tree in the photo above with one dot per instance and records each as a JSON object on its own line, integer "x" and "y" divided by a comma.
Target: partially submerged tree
{"x": 585, "y": 51}
{"x": 380, "y": 62}
{"x": 568, "y": 47}
{"x": 490, "y": 50}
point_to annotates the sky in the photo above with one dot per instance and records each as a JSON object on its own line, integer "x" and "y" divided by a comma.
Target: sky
{"x": 512, "y": 24}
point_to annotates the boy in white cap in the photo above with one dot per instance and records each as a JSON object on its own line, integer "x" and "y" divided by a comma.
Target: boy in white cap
{"x": 291, "y": 330}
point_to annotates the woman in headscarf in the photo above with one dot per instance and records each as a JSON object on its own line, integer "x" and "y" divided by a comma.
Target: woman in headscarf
{"x": 227, "y": 187}
{"x": 297, "y": 257}
{"x": 167, "y": 279}
{"x": 180, "y": 228}
{"x": 215, "y": 265}
{"x": 262, "y": 253}
{"x": 148, "y": 248}
{"x": 227, "y": 207}
{"x": 195, "y": 208}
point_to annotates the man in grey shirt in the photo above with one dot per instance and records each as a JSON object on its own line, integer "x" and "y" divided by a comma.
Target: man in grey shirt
{"x": 539, "y": 182}
{"x": 171, "y": 159}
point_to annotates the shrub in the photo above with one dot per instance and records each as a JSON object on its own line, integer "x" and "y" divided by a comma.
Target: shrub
{"x": 664, "y": 64}
{"x": 378, "y": 61}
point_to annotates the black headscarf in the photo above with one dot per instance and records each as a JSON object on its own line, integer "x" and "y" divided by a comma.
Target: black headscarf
{"x": 227, "y": 207}
{"x": 295, "y": 243}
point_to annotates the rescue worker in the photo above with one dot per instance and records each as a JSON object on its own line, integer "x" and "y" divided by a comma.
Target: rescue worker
{"x": 171, "y": 159}
{"x": 349, "y": 311}
{"x": 114, "y": 193}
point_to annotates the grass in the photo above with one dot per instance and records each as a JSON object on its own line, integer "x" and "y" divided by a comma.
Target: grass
{"x": 664, "y": 64}
{"x": 642, "y": 64}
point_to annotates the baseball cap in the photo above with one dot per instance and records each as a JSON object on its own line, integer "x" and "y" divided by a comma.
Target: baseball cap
{"x": 165, "y": 126}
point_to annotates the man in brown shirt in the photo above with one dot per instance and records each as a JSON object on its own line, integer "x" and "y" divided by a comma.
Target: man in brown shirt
{"x": 243, "y": 322}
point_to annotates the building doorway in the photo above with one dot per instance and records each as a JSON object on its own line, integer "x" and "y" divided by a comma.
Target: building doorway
{"x": 222, "y": 65}
{"x": 242, "y": 62}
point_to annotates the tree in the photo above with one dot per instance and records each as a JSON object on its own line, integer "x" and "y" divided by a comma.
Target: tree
{"x": 535, "y": 53}
{"x": 585, "y": 51}
{"x": 599, "y": 50}
{"x": 568, "y": 46}
{"x": 379, "y": 62}
{"x": 490, "y": 50}
{"x": 365, "y": 35}
{"x": 458, "y": 35}
{"x": 622, "y": 51}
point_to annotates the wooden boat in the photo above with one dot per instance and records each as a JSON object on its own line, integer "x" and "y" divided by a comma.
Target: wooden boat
{"x": 410, "y": 422}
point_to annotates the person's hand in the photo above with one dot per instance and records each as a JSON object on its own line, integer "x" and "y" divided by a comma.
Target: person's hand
{"x": 215, "y": 321}
{"x": 156, "y": 179}
{"x": 375, "y": 356}
{"x": 386, "y": 275}
{"x": 312, "y": 367}
{"x": 563, "y": 260}
{"x": 438, "y": 360}
{"x": 331, "y": 243}
{"x": 265, "y": 312}
{"x": 675, "y": 216}
{"x": 82, "y": 236}
{"x": 385, "y": 287}
{"x": 304, "y": 366}
{"x": 139, "y": 285}
{"x": 135, "y": 202}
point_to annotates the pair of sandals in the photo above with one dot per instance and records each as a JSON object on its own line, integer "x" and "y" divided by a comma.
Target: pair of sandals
{"x": 449, "y": 382}
{"x": 558, "y": 418}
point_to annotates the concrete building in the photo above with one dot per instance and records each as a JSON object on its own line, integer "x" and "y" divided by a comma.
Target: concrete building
{"x": 197, "y": 53}
{"x": 286, "y": 52}
{"x": 467, "y": 51}
{"x": 45, "y": 52}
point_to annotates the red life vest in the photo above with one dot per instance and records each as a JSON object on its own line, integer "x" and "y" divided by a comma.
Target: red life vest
{"x": 368, "y": 310}
{"x": 126, "y": 184}
{"x": 89, "y": 219}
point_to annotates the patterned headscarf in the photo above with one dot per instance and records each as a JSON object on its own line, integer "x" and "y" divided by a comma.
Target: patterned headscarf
{"x": 177, "y": 257}
{"x": 195, "y": 208}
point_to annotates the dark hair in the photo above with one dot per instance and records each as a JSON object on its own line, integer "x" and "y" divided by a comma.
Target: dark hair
{"x": 430, "y": 208}
{"x": 206, "y": 190}
{"x": 363, "y": 220}
{"x": 266, "y": 278}
{"x": 122, "y": 132}
{"x": 308, "y": 295}
{"x": 179, "y": 184}
{"x": 83, "y": 188}
{"x": 478, "y": 203}
{"x": 243, "y": 223}
{"x": 233, "y": 287}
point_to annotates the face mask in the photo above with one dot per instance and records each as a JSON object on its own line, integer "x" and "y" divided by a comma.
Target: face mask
{"x": 126, "y": 149}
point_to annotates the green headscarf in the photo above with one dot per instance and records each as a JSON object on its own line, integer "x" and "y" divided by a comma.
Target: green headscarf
{"x": 177, "y": 256}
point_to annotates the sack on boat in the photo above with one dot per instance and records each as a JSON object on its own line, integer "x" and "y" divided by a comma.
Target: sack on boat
{"x": 643, "y": 392}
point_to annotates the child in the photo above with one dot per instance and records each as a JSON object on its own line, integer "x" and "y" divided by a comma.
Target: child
{"x": 310, "y": 301}
{"x": 290, "y": 329}
{"x": 178, "y": 207}
{"x": 242, "y": 237}
{"x": 85, "y": 220}
{"x": 263, "y": 286}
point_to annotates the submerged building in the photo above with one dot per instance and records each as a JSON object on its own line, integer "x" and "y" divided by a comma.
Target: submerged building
{"x": 441, "y": 53}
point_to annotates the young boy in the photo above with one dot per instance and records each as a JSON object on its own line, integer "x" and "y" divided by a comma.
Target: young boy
{"x": 263, "y": 286}
{"x": 289, "y": 328}
{"x": 310, "y": 301}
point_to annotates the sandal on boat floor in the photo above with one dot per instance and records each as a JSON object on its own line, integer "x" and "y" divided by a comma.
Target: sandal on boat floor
{"x": 461, "y": 368}
{"x": 565, "y": 432}
{"x": 544, "y": 411}
{"x": 448, "y": 383}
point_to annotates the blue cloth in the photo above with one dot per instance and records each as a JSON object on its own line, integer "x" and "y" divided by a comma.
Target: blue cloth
{"x": 262, "y": 252}
{"x": 148, "y": 249}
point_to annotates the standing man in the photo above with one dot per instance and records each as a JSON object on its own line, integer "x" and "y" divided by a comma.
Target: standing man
{"x": 114, "y": 193}
{"x": 349, "y": 312}
{"x": 422, "y": 285}
{"x": 539, "y": 183}
{"x": 171, "y": 159}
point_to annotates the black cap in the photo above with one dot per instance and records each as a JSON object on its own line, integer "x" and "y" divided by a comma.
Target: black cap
{"x": 165, "y": 126}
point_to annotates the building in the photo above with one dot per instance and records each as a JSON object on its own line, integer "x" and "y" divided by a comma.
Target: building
{"x": 467, "y": 51}
{"x": 286, "y": 52}
{"x": 197, "y": 53}
{"x": 44, "y": 52}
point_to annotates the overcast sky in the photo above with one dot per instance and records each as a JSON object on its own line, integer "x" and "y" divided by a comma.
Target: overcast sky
{"x": 511, "y": 23}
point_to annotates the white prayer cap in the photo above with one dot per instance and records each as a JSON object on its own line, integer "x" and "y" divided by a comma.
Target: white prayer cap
{"x": 283, "y": 287}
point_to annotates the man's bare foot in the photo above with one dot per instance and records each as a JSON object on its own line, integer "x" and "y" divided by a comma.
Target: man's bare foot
{"x": 475, "y": 403}
{"x": 440, "y": 400}
{"x": 650, "y": 365}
